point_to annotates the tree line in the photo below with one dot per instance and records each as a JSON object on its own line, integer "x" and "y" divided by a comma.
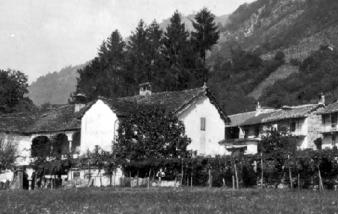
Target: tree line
{"x": 171, "y": 59}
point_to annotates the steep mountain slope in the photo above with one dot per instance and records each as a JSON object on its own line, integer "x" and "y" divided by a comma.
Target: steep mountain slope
{"x": 281, "y": 73}
{"x": 54, "y": 88}
{"x": 295, "y": 27}
{"x": 317, "y": 74}
{"x": 221, "y": 21}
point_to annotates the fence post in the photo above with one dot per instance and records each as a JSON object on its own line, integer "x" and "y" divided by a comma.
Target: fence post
{"x": 262, "y": 173}
{"x": 298, "y": 178}
{"x": 321, "y": 187}
{"x": 182, "y": 172}
{"x": 149, "y": 178}
{"x": 290, "y": 174}
{"x": 236, "y": 176}
{"x": 210, "y": 177}
{"x": 233, "y": 182}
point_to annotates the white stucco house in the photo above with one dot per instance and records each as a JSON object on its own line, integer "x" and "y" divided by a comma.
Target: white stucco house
{"x": 81, "y": 127}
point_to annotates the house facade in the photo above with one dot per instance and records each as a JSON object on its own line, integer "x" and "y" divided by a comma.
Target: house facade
{"x": 82, "y": 127}
{"x": 302, "y": 123}
{"x": 329, "y": 129}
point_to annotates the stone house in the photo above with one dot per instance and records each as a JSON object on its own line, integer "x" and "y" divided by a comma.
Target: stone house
{"x": 329, "y": 129}
{"x": 81, "y": 127}
{"x": 301, "y": 122}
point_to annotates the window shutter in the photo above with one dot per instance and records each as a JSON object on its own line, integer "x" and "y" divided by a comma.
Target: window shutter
{"x": 203, "y": 123}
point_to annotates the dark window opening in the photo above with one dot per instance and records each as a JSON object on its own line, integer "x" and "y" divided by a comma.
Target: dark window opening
{"x": 293, "y": 126}
{"x": 232, "y": 133}
{"x": 333, "y": 140}
{"x": 203, "y": 123}
{"x": 334, "y": 120}
{"x": 257, "y": 131}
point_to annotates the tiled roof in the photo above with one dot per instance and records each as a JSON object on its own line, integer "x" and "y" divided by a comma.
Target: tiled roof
{"x": 175, "y": 101}
{"x": 58, "y": 118}
{"x": 287, "y": 112}
{"x": 331, "y": 108}
{"x": 238, "y": 119}
{"x": 63, "y": 117}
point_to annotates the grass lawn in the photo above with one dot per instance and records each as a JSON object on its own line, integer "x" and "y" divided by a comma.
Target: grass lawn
{"x": 197, "y": 200}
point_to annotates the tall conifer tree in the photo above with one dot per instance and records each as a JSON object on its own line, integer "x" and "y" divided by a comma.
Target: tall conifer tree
{"x": 104, "y": 75}
{"x": 179, "y": 55}
{"x": 206, "y": 34}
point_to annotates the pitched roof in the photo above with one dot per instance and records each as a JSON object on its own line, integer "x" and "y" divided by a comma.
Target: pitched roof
{"x": 238, "y": 119}
{"x": 63, "y": 117}
{"x": 287, "y": 112}
{"x": 57, "y": 118}
{"x": 331, "y": 108}
{"x": 175, "y": 101}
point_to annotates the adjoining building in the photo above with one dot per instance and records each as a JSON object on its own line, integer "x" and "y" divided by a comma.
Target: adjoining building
{"x": 301, "y": 122}
{"x": 329, "y": 129}
{"x": 81, "y": 127}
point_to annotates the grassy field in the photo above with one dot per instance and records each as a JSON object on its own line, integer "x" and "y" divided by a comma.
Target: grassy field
{"x": 109, "y": 200}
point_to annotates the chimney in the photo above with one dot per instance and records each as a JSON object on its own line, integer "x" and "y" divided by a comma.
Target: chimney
{"x": 80, "y": 101}
{"x": 322, "y": 99}
{"x": 145, "y": 89}
{"x": 259, "y": 109}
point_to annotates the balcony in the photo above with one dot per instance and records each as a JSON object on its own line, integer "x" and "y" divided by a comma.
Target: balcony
{"x": 329, "y": 129}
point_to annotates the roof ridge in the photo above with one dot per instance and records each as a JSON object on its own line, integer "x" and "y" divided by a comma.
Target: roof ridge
{"x": 300, "y": 106}
{"x": 164, "y": 92}
{"x": 247, "y": 112}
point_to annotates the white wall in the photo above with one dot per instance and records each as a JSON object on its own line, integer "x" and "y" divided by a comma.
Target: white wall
{"x": 98, "y": 127}
{"x": 23, "y": 146}
{"x": 205, "y": 142}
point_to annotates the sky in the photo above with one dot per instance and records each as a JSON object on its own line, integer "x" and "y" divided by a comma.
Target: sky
{"x": 42, "y": 36}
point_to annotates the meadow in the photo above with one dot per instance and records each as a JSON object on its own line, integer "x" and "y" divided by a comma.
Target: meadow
{"x": 181, "y": 200}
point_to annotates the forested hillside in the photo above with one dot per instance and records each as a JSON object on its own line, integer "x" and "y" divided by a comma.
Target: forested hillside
{"x": 54, "y": 88}
{"x": 318, "y": 74}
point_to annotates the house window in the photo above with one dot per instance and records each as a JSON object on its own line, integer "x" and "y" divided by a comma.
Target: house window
{"x": 203, "y": 123}
{"x": 293, "y": 126}
{"x": 257, "y": 131}
{"x": 333, "y": 140}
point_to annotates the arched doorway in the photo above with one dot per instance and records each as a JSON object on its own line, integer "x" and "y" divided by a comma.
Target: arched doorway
{"x": 60, "y": 145}
{"x": 41, "y": 147}
{"x": 76, "y": 142}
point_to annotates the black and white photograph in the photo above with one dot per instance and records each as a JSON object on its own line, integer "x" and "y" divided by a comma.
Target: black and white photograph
{"x": 168, "y": 106}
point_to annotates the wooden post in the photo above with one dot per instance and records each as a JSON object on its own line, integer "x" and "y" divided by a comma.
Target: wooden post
{"x": 130, "y": 179}
{"x": 262, "y": 171}
{"x": 191, "y": 176}
{"x": 298, "y": 178}
{"x": 233, "y": 182}
{"x": 290, "y": 174}
{"x": 191, "y": 180}
{"x": 149, "y": 178}
{"x": 210, "y": 178}
{"x": 137, "y": 178}
{"x": 236, "y": 176}
{"x": 321, "y": 186}
{"x": 182, "y": 172}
